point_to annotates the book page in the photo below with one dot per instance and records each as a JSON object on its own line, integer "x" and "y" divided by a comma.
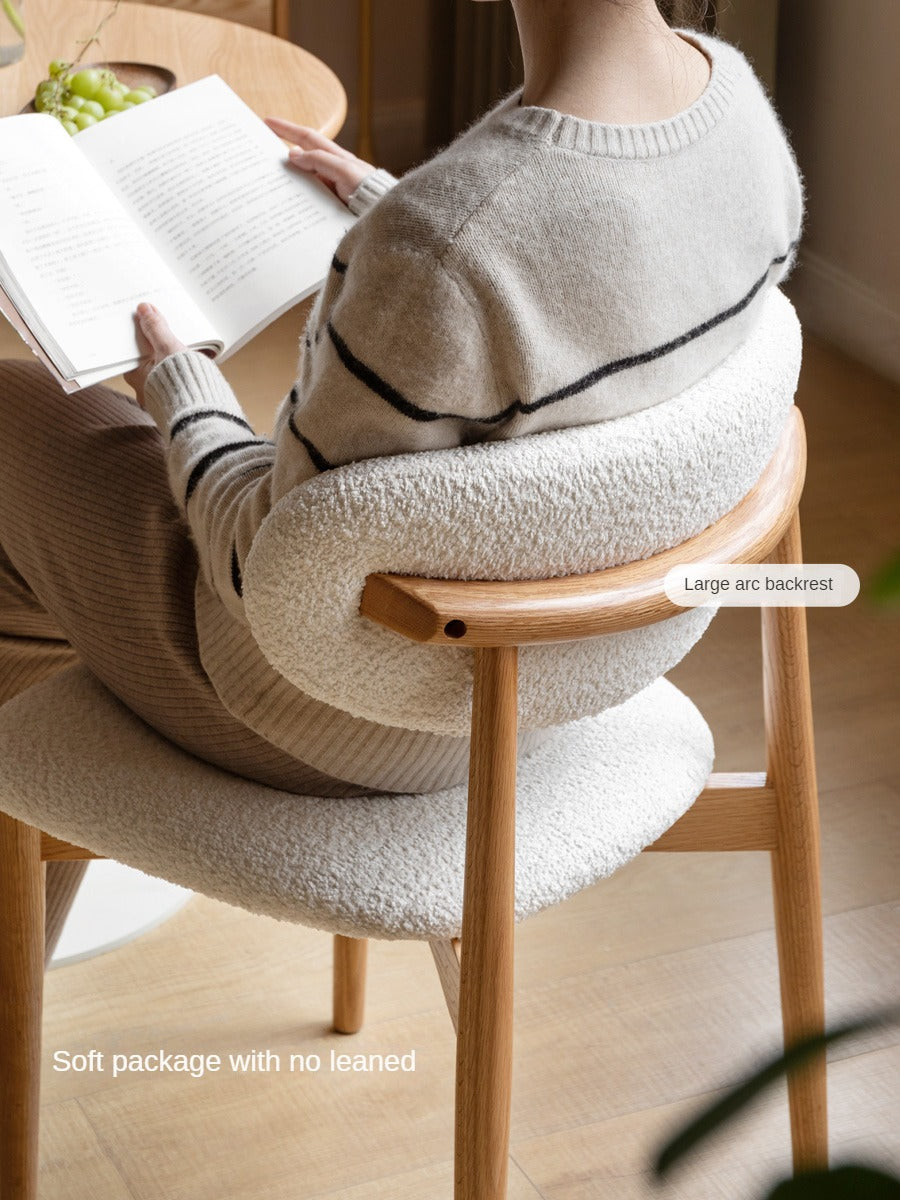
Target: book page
{"x": 12, "y": 314}
{"x": 72, "y": 261}
{"x": 210, "y": 184}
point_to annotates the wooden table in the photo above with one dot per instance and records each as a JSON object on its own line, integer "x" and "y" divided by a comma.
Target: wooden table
{"x": 275, "y": 77}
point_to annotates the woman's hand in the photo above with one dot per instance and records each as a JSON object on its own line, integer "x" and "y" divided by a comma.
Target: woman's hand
{"x": 156, "y": 340}
{"x": 336, "y": 167}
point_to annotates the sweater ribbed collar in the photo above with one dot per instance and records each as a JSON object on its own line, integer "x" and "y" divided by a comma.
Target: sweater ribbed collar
{"x": 632, "y": 141}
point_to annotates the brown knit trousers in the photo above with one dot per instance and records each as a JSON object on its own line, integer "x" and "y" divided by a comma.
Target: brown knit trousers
{"x": 97, "y": 566}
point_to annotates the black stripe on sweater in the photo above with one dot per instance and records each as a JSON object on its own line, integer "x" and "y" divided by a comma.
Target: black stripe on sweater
{"x": 200, "y": 413}
{"x": 638, "y": 360}
{"x": 236, "y": 581}
{"x": 415, "y": 412}
{"x": 263, "y": 466}
{"x": 319, "y": 461}
{"x": 375, "y": 383}
{"x": 203, "y": 465}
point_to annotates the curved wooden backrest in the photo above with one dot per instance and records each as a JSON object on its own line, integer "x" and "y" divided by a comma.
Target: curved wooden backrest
{"x": 523, "y": 612}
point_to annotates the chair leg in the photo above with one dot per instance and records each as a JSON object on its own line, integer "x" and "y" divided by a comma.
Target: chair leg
{"x": 484, "y": 1043}
{"x": 349, "y": 994}
{"x": 21, "y": 998}
{"x": 446, "y": 955}
{"x": 795, "y": 860}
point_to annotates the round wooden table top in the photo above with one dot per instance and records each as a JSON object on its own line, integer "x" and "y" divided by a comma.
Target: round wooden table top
{"x": 274, "y": 77}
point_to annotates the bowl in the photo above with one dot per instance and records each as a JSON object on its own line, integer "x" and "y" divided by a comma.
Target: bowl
{"x": 133, "y": 74}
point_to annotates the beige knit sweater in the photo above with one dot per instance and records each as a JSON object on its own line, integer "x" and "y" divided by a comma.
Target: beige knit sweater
{"x": 542, "y": 271}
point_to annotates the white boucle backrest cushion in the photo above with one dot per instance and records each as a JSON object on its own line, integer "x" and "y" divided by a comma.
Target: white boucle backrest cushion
{"x": 564, "y": 502}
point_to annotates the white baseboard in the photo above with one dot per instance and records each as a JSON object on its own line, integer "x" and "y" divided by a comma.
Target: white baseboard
{"x": 847, "y": 313}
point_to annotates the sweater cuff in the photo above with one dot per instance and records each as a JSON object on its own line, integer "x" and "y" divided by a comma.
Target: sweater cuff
{"x": 370, "y": 190}
{"x": 185, "y": 381}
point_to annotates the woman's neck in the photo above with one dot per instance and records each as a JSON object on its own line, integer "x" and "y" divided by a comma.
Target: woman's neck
{"x": 613, "y": 61}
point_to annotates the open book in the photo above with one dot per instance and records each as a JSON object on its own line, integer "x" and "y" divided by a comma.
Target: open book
{"x": 188, "y": 202}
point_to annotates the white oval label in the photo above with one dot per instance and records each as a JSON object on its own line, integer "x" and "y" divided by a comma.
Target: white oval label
{"x": 759, "y": 585}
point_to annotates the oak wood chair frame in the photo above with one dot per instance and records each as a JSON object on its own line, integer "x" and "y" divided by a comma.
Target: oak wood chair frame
{"x": 774, "y": 811}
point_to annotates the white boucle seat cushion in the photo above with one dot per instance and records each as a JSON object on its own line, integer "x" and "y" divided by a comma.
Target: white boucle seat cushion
{"x": 79, "y": 765}
{"x": 558, "y": 503}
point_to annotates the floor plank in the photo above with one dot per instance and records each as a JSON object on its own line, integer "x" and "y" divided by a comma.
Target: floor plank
{"x": 608, "y": 1160}
{"x": 75, "y": 1165}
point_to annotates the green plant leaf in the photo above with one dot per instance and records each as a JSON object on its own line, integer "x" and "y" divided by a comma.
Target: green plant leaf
{"x": 848, "y": 1182}
{"x": 741, "y": 1095}
{"x": 884, "y": 587}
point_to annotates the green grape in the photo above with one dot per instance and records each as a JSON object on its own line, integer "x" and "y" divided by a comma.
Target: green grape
{"x": 126, "y": 104}
{"x": 44, "y": 100}
{"x": 46, "y": 94}
{"x": 57, "y": 67}
{"x": 86, "y": 83}
{"x": 93, "y": 109}
{"x": 73, "y": 101}
{"x": 84, "y": 120}
{"x": 70, "y": 127}
{"x": 65, "y": 113}
{"x": 137, "y": 97}
{"x": 110, "y": 99}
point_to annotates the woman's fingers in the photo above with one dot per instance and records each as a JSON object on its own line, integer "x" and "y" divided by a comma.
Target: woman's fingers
{"x": 341, "y": 174}
{"x": 312, "y": 151}
{"x": 144, "y": 344}
{"x": 302, "y": 135}
{"x": 155, "y": 328}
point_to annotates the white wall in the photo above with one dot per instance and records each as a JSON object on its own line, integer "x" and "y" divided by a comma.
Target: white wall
{"x": 838, "y": 96}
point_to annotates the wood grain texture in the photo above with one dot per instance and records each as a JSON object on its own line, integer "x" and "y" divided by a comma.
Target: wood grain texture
{"x": 485, "y": 613}
{"x": 733, "y": 812}
{"x": 258, "y": 14}
{"x": 274, "y": 77}
{"x": 484, "y": 1043}
{"x": 21, "y": 1006}
{"x": 349, "y": 983}
{"x": 791, "y": 769}
{"x": 56, "y": 850}
{"x": 446, "y": 955}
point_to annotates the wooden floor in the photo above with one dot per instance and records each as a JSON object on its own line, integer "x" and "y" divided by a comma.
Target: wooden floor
{"x": 635, "y": 1001}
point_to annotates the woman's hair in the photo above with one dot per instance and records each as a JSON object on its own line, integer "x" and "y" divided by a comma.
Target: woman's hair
{"x": 698, "y": 14}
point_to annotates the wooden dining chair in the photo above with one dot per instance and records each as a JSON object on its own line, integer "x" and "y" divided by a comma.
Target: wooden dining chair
{"x": 775, "y": 810}
{"x": 772, "y": 810}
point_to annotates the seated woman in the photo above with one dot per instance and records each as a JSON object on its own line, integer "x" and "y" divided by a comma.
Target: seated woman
{"x": 593, "y": 245}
